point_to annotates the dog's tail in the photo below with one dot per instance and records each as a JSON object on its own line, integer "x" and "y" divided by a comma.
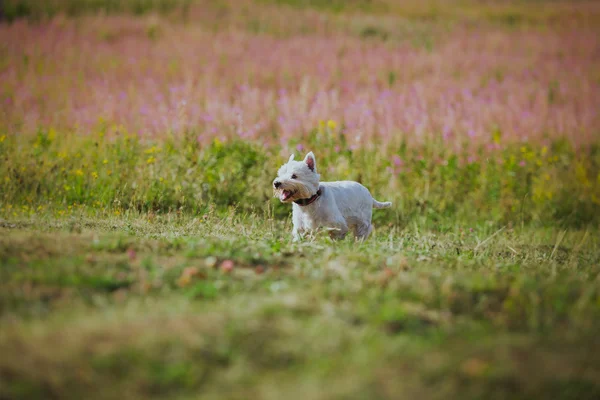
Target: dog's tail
{"x": 378, "y": 204}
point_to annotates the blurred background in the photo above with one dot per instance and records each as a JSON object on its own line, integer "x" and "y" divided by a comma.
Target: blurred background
{"x": 271, "y": 70}
{"x": 489, "y": 103}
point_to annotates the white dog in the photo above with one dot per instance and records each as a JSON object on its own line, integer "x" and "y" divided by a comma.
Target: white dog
{"x": 338, "y": 206}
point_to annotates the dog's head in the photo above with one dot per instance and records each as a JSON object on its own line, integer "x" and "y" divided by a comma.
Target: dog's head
{"x": 297, "y": 179}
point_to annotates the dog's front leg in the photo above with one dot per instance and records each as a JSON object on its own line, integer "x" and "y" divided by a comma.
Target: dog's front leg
{"x": 298, "y": 229}
{"x": 295, "y": 235}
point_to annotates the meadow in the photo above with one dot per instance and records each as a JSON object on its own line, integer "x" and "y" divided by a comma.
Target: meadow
{"x": 143, "y": 255}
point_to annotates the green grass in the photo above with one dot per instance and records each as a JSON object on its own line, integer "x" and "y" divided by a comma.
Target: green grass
{"x": 14, "y": 9}
{"x": 165, "y": 269}
{"x": 336, "y": 6}
{"x": 509, "y": 14}
{"x": 142, "y": 306}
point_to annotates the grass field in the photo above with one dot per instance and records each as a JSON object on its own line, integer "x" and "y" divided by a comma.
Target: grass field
{"x": 229, "y": 308}
{"x": 142, "y": 254}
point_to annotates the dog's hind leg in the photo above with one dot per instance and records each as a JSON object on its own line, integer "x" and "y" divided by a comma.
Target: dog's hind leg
{"x": 362, "y": 231}
{"x": 338, "y": 232}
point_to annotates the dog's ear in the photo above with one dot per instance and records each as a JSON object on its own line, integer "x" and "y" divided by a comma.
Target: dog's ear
{"x": 311, "y": 162}
{"x": 291, "y": 158}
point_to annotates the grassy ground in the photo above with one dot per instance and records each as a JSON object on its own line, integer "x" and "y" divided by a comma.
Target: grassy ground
{"x": 173, "y": 306}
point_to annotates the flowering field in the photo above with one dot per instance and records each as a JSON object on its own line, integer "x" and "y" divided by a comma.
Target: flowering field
{"x": 152, "y": 77}
{"x": 142, "y": 254}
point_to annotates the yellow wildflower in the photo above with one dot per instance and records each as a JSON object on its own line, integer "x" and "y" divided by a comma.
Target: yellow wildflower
{"x": 150, "y": 160}
{"x": 95, "y": 175}
{"x": 217, "y": 143}
{"x": 331, "y": 124}
{"x": 2, "y": 138}
{"x": 496, "y": 137}
{"x": 153, "y": 149}
{"x": 544, "y": 151}
{"x": 581, "y": 174}
{"x": 105, "y": 161}
{"x": 79, "y": 172}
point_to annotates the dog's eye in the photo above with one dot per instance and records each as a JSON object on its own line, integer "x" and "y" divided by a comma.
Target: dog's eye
{"x": 294, "y": 176}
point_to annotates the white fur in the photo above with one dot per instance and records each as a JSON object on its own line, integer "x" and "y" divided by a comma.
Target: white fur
{"x": 342, "y": 206}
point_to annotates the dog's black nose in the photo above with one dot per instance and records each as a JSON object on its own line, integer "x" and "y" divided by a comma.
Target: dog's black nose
{"x": 276, "y": 184}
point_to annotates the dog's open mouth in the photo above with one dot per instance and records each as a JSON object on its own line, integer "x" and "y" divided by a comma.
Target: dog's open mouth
{"x": 286, "y": 195}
